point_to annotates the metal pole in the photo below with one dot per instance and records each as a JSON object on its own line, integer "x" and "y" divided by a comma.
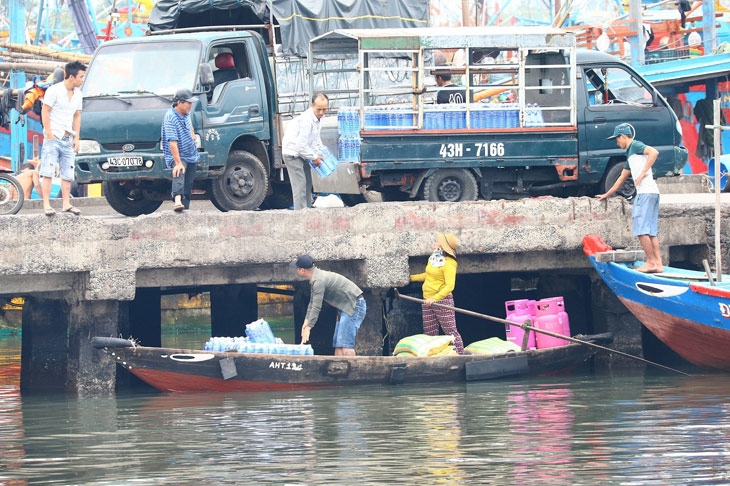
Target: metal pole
{"x": 637, "y": 47}
{"x": 709, "y": 41}
{"x": 18, "y": 129}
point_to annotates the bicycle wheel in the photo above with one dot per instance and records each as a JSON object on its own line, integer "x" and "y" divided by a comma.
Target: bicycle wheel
{"x": 11, "y": 194}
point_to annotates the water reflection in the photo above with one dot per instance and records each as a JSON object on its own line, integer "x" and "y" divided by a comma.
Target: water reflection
{"x": 595, "y": 429}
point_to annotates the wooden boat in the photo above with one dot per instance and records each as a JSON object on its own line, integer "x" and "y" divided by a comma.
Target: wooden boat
{"x": 684, "y": 309}
{"x": 180, "y": 370}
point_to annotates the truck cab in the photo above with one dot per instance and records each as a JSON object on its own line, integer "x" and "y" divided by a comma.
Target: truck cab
{"x": 128, "y": 88}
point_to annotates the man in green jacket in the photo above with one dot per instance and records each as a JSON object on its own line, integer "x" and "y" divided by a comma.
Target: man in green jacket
{"x": 340, "y": 293}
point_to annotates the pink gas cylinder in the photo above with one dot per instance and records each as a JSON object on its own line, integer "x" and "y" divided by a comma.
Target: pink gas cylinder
{"x": 549, "y": 319}
{"x": 519, "y": 311}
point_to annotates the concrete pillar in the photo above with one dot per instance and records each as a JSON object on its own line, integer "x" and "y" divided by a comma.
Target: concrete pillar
{"x": 145, "y": 317}
{"x": 89, "y": 371}
{"x": 370, "y": 336}
{"x": 43, "y": 345}
{"x": 402, "y": 318}
{"x": 231, "y": 308}
{"x": 610, "y": 315}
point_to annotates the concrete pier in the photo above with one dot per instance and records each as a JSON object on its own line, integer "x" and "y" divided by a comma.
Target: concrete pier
{"x": 102, "y": 275}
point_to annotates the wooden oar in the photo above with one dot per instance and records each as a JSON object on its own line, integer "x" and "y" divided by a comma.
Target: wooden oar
{"x": 528, "y": 327}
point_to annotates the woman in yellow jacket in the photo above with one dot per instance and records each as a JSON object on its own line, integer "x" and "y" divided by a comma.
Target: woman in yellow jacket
{"x": 439, "y": 280}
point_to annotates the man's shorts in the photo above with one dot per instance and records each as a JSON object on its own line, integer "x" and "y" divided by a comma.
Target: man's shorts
{"x": 57, "y": 158}
{"x": 348, "y": 325}
{"x": 645, "y": 215}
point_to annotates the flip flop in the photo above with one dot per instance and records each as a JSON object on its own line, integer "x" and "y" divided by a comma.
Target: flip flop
{"x": 49, "y": 212}
{"x": 72, "y": 210}
{"x": 178, "y": 207}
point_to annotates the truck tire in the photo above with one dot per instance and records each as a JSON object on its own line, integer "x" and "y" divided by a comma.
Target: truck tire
{"x": 628, "y": 190}
{"x": 127, "y": 198}
{"x": 243, "y": 184}
{"x": 450, "y": 185}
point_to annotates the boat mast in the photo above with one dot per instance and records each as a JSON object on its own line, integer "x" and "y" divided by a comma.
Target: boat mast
{"x": 717, "y": 130}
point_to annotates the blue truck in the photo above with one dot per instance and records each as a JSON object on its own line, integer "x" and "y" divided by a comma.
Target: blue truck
{"x": 534, "y": 120}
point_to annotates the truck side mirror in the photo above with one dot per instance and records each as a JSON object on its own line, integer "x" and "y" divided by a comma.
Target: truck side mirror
{"x": 206, "y": 75}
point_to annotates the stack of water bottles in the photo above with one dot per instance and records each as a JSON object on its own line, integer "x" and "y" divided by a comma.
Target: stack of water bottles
{"x": 348, "y": 126}
{"x": 259, "y": 339}
{"x": 327, "y": 165}
{"x": 533, "y": 115}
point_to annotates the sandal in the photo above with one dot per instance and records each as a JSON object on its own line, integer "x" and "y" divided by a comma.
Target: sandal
{"x": 49, "y": 212}
{"x": 73, "y": 210}
{"x": 178, "y": 207}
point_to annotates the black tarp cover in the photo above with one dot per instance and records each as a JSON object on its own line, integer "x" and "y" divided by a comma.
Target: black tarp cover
{"x": 298, "y": 20}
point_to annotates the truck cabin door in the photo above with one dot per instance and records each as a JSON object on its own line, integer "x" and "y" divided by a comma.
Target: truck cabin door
{"x": 235, "y": 102}
{"x": 613, "y": 94}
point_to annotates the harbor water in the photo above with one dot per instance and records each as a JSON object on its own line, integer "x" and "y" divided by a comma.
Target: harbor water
{"x": 637, "y": 427}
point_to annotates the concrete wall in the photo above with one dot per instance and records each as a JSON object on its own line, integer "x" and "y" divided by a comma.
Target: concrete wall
{"x": 108, "y": 258}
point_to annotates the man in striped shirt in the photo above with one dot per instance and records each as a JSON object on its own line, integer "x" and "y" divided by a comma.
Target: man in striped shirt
{"x": 179, "y": 148}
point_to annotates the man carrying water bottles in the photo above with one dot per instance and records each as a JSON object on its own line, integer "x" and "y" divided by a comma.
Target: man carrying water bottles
{"x": 339, "y": 292}
{"x": 302, "y": 143}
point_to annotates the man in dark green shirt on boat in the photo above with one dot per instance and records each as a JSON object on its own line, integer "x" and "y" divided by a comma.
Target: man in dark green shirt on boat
{"x": 340, "y": 293}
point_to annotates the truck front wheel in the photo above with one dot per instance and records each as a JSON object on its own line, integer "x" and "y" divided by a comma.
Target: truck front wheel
{"x": 450, "y": 185}
{"x": 627, "y": 190}
{"x": 243, "y": 184}
{"x": 127, "y": 198}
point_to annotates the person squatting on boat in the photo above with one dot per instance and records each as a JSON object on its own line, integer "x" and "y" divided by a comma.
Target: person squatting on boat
{"x": 439, "y": 281}
{"x": 645, "y": 212}
{"x": 340, "y": 293}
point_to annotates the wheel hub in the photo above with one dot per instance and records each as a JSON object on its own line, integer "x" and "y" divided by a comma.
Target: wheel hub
{"x": 241, "y": 182}
{"x": 450, "y": 190}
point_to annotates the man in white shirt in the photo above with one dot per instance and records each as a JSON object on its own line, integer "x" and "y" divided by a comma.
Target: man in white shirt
{"x": 61, "y": 116}
{"x": 302, "y": 143}
{"x": 645, "y": 209}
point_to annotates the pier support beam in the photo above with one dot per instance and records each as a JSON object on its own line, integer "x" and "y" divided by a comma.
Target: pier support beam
{"x": 370, "y": 336}
{"x": 87, "y": 372}
{"x": 43, "y": 355}
{"x": 610, "y": 315}
{"x": 231, "y": 308}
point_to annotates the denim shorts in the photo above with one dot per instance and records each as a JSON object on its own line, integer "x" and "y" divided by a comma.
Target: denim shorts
{"x": 57, "y": 158}
{"x": 645, "y": 215}
{"x": 348, "y": 325}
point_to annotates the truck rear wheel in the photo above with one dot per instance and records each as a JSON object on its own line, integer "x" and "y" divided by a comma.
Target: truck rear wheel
{"x": 450, "y": 185}
{"x": 243, "y": 184}
{"x": 628, "y": 190}
{"x": 127, "y": 198}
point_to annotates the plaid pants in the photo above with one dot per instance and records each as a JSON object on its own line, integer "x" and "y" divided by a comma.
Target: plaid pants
{"x": 435, "y": 316}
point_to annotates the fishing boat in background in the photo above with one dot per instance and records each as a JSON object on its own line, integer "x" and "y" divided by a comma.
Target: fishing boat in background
{"x": 687, "y": 310}
{"x": 184, "y": 370}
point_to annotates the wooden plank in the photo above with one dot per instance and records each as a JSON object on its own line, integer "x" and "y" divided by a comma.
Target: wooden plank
{"x": 496, "y": 368}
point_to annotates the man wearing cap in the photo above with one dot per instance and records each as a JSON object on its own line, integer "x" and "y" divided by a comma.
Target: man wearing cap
{"x": 645, "y": 211}
{"x": 340, "y": 293}
{"x": 439, "y": 281}
{"x": 179, "y": 147}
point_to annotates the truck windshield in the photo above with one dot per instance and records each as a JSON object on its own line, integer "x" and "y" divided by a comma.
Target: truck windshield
{"x": 159, "y": 68}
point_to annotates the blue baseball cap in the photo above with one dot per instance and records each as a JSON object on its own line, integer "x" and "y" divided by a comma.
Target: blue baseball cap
{"x": 622, "y": 129}
{"x": 303, "y": 261}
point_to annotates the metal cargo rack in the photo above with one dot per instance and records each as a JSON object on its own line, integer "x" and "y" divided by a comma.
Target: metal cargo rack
{"x": 511, "y": 78}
